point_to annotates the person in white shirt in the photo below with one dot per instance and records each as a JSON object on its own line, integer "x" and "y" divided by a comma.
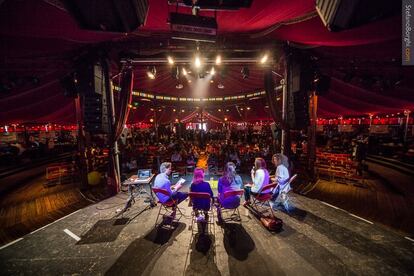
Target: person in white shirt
{"x": 260, "y": 178}
{"x": 282, "y": 174}
{"x": 163, "y": 182}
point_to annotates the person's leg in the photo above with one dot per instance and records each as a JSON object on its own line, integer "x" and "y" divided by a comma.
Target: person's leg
{"x": 179, "y": 196}
{"x": 275, "y": 194}
{"x": 247, "y": 191}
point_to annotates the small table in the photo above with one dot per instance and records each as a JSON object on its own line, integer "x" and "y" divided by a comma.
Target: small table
{"x": 139, "y": 185}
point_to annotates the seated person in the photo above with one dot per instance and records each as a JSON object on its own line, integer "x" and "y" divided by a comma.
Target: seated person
{"x": 176, "y": 157}
{"x": 162, "y": 182}
{"x": 201, "y": 205}
{"x": 260, "y": 178}
{"x": 282, "y": 174}
{"x": 234, "y": 158}
{"x": 230, "y": 181}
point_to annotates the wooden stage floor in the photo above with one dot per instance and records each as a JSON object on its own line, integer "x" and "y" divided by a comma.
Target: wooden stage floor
{"x": 317, "y": 239}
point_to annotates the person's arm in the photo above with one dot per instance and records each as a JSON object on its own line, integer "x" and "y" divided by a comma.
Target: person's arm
{"x": 282, "y": 174}
{"x": 258, "y": 180}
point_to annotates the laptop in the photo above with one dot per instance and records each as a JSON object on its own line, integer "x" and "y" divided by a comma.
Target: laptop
{"x": 144, "y": 173}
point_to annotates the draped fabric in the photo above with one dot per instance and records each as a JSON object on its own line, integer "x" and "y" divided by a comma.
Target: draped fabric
{"x": 350, "y": 100}
{"x": 44, "y": 103}
{"x": 40, "y": 38}
{"x": 121, "y": 116}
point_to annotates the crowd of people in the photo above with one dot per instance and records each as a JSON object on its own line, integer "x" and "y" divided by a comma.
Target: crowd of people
{"x": 28, "y": 148}
{"x": 237, "y": 146}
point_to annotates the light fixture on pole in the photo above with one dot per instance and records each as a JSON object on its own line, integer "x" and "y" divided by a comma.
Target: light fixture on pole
{"x": 151, "y": 72}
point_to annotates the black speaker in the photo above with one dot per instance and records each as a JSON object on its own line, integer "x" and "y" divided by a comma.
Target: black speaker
{"x": 108, "y": 15}
{"x": 339, "y": 15}
{"x": 220, "y": 4}
{"x": 95, "y": 105}
{"x": 301, "y": 109}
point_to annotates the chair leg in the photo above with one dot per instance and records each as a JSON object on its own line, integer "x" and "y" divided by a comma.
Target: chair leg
{"x": 159, "y": 212}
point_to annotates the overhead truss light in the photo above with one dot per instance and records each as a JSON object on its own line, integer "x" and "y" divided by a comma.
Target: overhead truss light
{"x": 184, "y": 72}
{"x": 218, "y": 60}
{"x": 175, "y": 72}
{"x": 197, "y": 62}
{"x": 212, "y": 71}
{"x": 170, "y": 60}
{"x": 264, "y": 59}
{"x": 151, "y": 72}
{"x": 245, "y": 72}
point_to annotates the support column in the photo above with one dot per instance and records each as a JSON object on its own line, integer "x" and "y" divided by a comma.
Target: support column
{"x": 313, "y": 108}
{"x": 283, "y": 143}
{"x": 113, "y": 121}
{"x": 407, "y": 120}
{"x": 83, "y": 171}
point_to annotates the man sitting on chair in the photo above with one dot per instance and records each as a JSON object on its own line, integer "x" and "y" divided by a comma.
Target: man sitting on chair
{"x": 163, "y": 182}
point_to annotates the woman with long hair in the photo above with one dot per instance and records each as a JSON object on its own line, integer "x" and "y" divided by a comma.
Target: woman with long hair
{"x": 230, "y": 181}
{"x": 260, "y": 178}
{"x": 282, "y": 174}
{"x": 201, "y": 205}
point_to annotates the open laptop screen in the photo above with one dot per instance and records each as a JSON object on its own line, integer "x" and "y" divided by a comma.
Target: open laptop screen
{"x": 145, "y": 173}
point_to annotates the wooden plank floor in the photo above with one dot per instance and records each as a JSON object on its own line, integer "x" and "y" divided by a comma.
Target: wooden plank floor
{"x": 33, "y": 205}
{"x": 376, "y": 203}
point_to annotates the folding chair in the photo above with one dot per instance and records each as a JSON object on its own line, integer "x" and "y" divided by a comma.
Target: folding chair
{"x": 262, "y": 199}
{"x": 283, "y": 196}
{"x": 210, "y": 214}
{"x": 165, "y": 207}
{"x": 235, "y": 211}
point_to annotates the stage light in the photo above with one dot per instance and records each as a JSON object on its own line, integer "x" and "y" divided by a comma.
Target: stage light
{"x": 189, "y": 81}
{"x": 212, "y": 71}
{"x": 245, "y": 72}
{"x": 184, "y": 72}
{"x": 197, "y": 62}
{"x": 151, "y": 72}
{"x": 264, "y": 59}
{"x": 170, "y": 60}
{"x": 182, "y": 110}
{"x": 248, "y": 108}
{"x": 219, "y": 110}
{"x": 220, "y": 86}
{"x": 211, "y": 81}
{"x": 179, "y": 86}
{"x": 175, "y": 72}
{"x": 174, "y": 110}
{"x": 218, "y": 60}
{"x": 227, "y": 110}
{"x": 242, "y": 109}
{"x": 151, "y": 120}
{"x": 225, "y": 119}
{"x": 176, "y": 120}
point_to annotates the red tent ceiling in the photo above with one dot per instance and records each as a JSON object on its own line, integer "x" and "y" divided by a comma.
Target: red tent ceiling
{"x": 39, "y": 37}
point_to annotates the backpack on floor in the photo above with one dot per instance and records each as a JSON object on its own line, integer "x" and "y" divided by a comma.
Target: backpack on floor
{"x": 272, "y": 223}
